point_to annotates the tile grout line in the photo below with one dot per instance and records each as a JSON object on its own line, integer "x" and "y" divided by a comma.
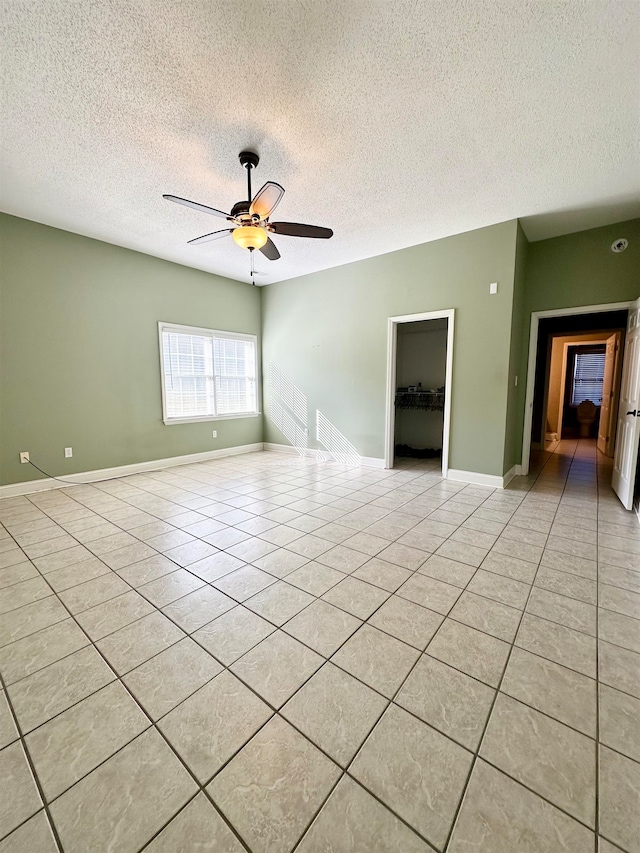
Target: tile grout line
{"x": 153, "y": 725}
{"x": 34, "y": 775}
{"x": 414, "y": 571}
{"x": 476, "y": 754}
{"x": 390, "y": 702}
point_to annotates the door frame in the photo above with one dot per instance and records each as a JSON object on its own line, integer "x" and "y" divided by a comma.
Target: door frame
{"x": 536, "y": 316}
{"x": 392, "y": 350}
{"x": 563, "y": 375}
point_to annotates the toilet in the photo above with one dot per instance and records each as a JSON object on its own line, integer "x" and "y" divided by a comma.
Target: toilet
{"x": 586, "y": 414}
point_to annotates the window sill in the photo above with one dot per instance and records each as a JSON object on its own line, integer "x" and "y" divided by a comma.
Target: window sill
{"x": 210, "y": 418}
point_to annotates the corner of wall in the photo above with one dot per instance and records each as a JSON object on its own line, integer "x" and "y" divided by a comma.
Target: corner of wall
{"x": 515, "y": 392}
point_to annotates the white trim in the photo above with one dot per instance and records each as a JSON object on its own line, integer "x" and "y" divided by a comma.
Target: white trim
{"x": 372, "y": 462}
{"x": 281, "y": 448}
{"x": 536, "y": 316}
{"x": 508, "y": 477}
{"x": 210, "y": 418}
{"x": 323, "y": 455}
{"x": 392, "y": 346}
{"x": 493, "y": 481}
{"x": 87, "y": 477}
{"x": 290, "y": 450}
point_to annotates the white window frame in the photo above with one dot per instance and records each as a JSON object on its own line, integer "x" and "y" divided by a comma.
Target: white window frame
{"x": 212, "y": 333}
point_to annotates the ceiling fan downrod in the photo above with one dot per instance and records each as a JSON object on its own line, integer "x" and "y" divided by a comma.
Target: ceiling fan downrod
{"x": 249, "y": 160}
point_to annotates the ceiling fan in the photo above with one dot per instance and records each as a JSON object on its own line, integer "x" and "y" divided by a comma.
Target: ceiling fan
{"x": 251, "y": 218}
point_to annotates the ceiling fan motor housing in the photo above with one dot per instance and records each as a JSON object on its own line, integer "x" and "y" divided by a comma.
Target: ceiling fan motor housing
{"x": 240, "y": 210}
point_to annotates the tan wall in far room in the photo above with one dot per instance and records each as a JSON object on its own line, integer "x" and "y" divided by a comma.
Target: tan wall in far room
{"x": 555, "y": 394}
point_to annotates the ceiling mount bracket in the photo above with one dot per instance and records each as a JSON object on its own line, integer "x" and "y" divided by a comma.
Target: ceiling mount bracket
{"x": 249, "y": 159}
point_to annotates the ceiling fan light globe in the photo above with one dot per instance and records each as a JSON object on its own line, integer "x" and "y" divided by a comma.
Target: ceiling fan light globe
{"x": 250, "y": 236}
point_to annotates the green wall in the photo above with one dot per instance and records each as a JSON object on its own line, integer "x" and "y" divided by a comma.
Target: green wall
{"x": 571, "y": 271}
{"x": 580, "y": 269}
{"x": 79, "y": 361}
{"x": 327, "y": 333}
{"x": 513, "y": 451}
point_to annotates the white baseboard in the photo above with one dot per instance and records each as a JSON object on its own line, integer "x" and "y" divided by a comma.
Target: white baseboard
{"x": 477, "y": 479}
{"x": 290, "y": 450}
{"x": 47, "y": 483}
{"x": 324, "y": 456}
{"x": 508, "y": 477}
{"x": 371, "y": 462}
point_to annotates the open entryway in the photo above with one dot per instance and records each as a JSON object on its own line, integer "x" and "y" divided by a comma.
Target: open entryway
{"x": 583, "y": 380}
{"x": 419, "y": 367}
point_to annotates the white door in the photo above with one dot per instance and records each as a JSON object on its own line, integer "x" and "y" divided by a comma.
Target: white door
{"x": 628, "y": 431}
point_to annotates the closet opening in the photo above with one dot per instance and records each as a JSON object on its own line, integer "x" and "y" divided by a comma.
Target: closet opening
{"x": 418, "y": 391}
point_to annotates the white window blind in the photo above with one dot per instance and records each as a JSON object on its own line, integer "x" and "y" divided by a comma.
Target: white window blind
{"x": 207, "y": 374}
{"x": 588, "y": 376}
{"x": 235, "y": 375}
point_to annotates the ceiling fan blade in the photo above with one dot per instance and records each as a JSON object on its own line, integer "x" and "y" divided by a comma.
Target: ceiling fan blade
{"x": 203, "y": 208}
{"x": 207, "y": 238}
{"x": 266, "y": 200}
{"x": 296, "y": 229}
{"x": 269, "y": 250}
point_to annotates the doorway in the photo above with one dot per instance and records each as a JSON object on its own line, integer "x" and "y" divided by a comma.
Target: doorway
{"x": 419, "y": 377}
{"x": 588, "y": 323}
{"x": 583, "y": 385}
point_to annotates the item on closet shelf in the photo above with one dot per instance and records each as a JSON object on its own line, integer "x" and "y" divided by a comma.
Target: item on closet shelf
{"x": 418, "y": 453}
{"x": 428, "y": 401}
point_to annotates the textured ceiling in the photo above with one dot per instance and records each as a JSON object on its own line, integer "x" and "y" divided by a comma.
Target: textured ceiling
{"x": 394, "y": 122}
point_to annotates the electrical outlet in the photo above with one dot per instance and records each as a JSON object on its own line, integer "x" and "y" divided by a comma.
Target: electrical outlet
{"x": 68, "y": 452}
{"x": 214, "y": 433}
{"x": 24, "y": 456}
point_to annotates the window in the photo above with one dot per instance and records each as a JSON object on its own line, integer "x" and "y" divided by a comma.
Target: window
{"x": 588, "y": 376}
{"x": 207, "y": 374}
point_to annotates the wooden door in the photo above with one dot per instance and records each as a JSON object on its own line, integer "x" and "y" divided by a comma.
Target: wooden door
{"x": 609, "y": 408}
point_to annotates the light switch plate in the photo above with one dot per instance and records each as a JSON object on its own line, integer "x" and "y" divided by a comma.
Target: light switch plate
{"x": 493, "y": 287}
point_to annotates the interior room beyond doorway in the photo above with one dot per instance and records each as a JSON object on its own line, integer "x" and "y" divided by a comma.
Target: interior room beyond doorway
{"x": 421, "y": 360}
{"x": 578, "y": 373}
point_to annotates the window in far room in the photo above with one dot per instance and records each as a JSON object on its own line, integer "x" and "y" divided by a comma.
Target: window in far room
{"x": 207, "y": 374}
{"x": 588, "y": 376}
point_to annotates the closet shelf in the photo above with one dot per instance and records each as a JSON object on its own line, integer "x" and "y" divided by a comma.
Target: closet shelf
{"x": 427, "y": 401}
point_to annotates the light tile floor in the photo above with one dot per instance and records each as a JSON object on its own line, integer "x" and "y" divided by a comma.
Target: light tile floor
{"x": 271, "y": 654}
